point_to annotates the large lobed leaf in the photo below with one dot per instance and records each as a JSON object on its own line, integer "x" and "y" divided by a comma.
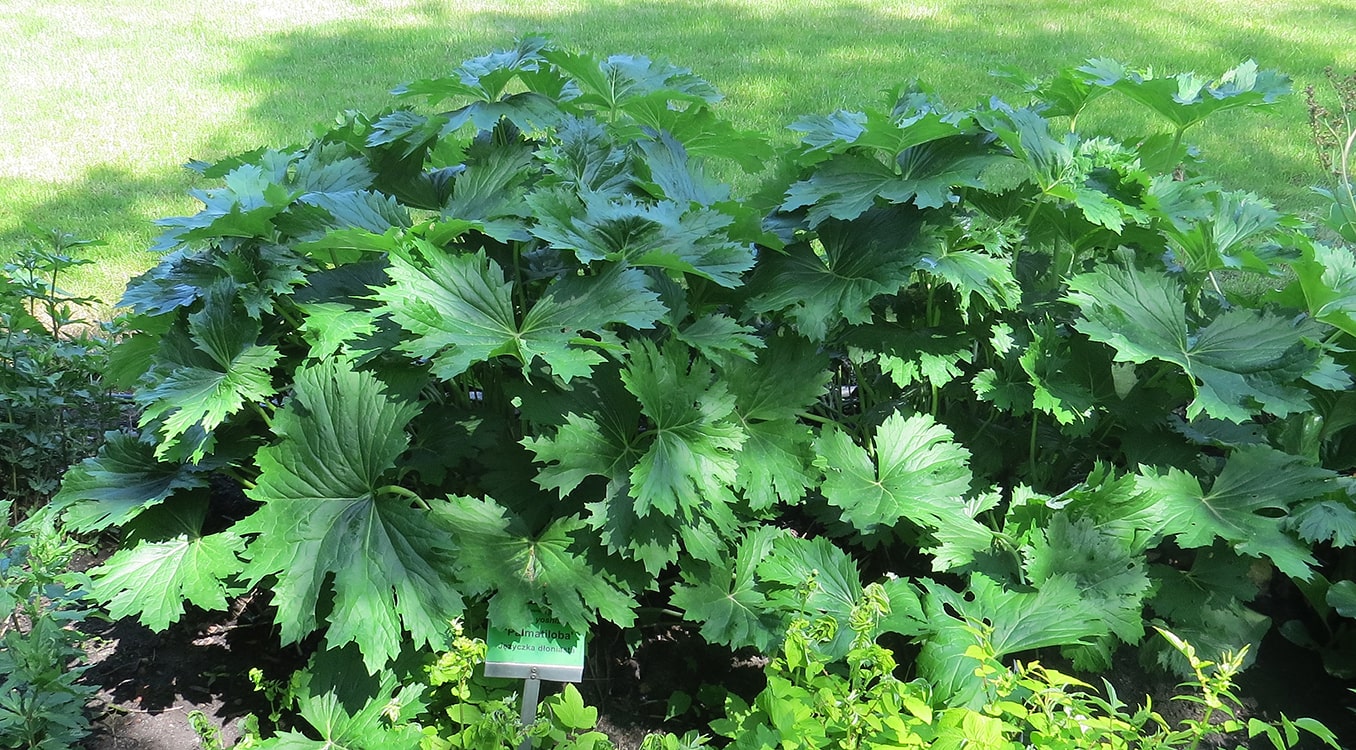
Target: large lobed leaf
{"x": 691, "y": 460}
{"x": 326, "y": 523}
{"x": 725, "y": 599}
{"x": 831, "y": 280}
{"x": 547, "y": 569}
{"x": 154, "y": 579}
{"x": 111, "y": 488}
{"x": 209, "y": 371}
{"x": 915, "y": 470}
{"x": 1239, "y": 361}
{"x": 1244, "y": 505}
{"x": 461, "y": 311}
{"x": 176, "y": 564}
{"x": 1010, "y": 622}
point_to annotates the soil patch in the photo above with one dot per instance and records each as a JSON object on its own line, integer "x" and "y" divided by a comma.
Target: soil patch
{"x": 150, "y": 683}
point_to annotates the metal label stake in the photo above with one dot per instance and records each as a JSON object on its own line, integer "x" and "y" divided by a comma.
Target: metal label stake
{"x": 541, "y": 649}
{"x": 531, "y": 693}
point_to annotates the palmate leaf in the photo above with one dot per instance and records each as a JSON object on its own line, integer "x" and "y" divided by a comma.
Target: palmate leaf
{"x": 813, "y": 576}
{"x": 698, "y": 132}
{"x": 972, "y": 274}
{"x": 330, "y": 326}
{"x": 125, "y": 478}
{"x": 657, "y": 541}
{"x": 326, "y": 523}
{"x": 584, "y": 158}
{"x": 209, "y": 372}
{"x": 1230, "y": 237}
{"x": 484, "y": 77}
{"x": 258, "y": 272}
{"x": 725, "y": 599}
{"x": 381, "y": 720}
{"x": 663, "y": 235}
{"x": 1186, "y": 98}
{"x": 611, "y": 84}
{"x": 1331, "y": 519}
{"x": 154, "y": 579}
{"x": 548, "y": 569}
{"x": 674, "y": 176}
{"x": 1053, "y": 615}
{"x": 1243, "y": 506}
{"x": 605, "y": 445}
{"x": 1061, "y": 379}
{"x": 1207, "y": 601}
{"x": 820, "y": 284}
{"x": 690, "y": 461}
{"x": 1064, "y": 94}
{"x": 918, "y": 472}
{"x": 831, "y": 132}
{"x": 358, "y": 209}
{"x": 847, "y": 185}
{"x": 182, "y": 277}
{"x": 667, "y": 484}
{"x": 461, "y": 311}
{"x": 245, "y": 207}
{"x": 1217, "y": 579}
{"x": 1106, "y": 570}
{"x": 911, "y": 355}
{"x": 1240, "y": 361}
{"x": 1327, "y": 278}
{"x": 717, "y": 336}
{"x": 493, "y": 188}
{"x": 776, "y": 459}
{"x": 917, "y": 118}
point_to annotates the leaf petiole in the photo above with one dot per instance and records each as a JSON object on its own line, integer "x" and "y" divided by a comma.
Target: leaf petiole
{"x": 398, "y": 491}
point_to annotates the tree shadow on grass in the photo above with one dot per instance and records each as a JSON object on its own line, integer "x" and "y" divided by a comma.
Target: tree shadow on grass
{"x": 108, "y": 204}
{"x": 774, "y": 61}
{"x": 782, "y": 61}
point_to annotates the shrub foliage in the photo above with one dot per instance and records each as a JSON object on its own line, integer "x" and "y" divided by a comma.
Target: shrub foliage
{"x": 512, "y": 343}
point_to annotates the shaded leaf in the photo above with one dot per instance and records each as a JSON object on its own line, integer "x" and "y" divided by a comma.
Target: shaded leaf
{"x": 547, "y": 569}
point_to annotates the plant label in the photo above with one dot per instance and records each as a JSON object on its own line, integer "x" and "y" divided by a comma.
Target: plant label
{"x": 540, "y": 648}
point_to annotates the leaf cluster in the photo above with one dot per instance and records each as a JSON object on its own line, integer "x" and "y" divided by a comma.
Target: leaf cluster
{"x": 55, "y": 402}
{"x": 42, "y": 702}
{"x": 526, "y": 351}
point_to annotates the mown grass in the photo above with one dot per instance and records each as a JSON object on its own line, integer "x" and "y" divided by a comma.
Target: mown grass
{"x": 105, "y": 99}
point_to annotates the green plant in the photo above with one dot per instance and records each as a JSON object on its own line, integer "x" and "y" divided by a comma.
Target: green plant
{"x": 1334, "y": 132}
{"x": 445, "y": 705}
{"x": 526, "y": 351}
{"x": 55, "y": 405}
{"x": 814, "y": 699}
{"x": 42, "y": 705}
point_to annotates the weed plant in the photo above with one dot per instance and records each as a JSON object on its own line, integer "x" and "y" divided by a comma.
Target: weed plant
{"x": 42, "y": 703}
{"x": 53, "y": 398}
{"x": 1334, "y": 130}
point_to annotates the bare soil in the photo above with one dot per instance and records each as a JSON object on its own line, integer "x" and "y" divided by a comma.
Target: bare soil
{"x": 149, "y": 683}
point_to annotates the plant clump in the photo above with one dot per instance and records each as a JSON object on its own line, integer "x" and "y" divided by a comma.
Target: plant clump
{"x": 509, "y": 344}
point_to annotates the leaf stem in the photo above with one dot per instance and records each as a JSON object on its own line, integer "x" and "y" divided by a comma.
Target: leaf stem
{"x": 263, "y": 414}
{"x": 518, "y": 278}
{"x": 398, "y": 491}
{"x": 1031, "y": 445}
{"x": 1176, "y": 145}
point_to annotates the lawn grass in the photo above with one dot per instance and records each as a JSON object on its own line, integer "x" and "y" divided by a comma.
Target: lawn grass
{"x": 105, "y": 99}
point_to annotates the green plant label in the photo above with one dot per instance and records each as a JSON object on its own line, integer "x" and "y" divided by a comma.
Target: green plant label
{"x": 539, "y": 647}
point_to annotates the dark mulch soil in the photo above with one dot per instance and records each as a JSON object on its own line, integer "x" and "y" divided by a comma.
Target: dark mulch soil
{"x": 150, "y": 682}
